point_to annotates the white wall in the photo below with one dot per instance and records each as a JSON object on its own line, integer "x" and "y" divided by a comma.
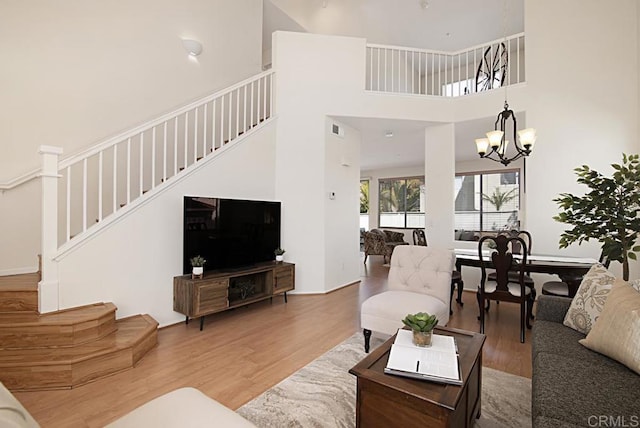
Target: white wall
{"x": 20, "y": 229}
{"x": 439, "y": 167}
{"x": 341, "y": 220}
{"x": 580, "y": 119}
{"x": 132, "y": 263}
{"x": 316, "y": 76}
{"x": 75, "y": 72}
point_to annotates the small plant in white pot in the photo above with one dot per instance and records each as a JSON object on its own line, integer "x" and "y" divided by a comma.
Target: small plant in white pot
{"x": 197, "y": 266}
{"x": 279, "y": 252}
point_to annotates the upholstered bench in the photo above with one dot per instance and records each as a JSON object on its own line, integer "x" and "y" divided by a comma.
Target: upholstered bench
{"x": 184, "y": 407}
{"x": 180, "y": 408}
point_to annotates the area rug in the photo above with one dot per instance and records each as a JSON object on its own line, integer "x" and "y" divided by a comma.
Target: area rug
{"x": 323, "y": 394}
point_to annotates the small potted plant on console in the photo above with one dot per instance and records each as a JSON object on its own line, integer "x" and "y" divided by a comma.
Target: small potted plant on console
{"x": 422, "y": 325}
{"x": 279, "y": 252}
{"x": 197, "y": 266}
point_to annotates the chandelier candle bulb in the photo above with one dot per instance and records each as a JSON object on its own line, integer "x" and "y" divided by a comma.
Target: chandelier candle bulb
{"x": 482, "y": 144}
{"x": 527, "y": 137}
{"x": 495, "y": 138}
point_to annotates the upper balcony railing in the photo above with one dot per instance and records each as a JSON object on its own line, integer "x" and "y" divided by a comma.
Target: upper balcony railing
{"x": 450, "y": 74}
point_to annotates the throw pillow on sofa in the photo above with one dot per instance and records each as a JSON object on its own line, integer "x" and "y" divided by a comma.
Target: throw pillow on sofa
{"x": 617, "y": 332}
{"x": 590, "y": 298}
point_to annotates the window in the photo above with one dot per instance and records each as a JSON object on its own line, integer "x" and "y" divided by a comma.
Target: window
{"x": 486, "y": 202}
{"x": 364, "y": 205}
{"x": 364, "y": 196}
{"x": 456, "y": 89}
{"x": 401, "y": 202}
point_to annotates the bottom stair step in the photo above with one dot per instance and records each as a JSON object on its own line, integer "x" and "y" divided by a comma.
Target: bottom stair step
{"x": 68, "y": 367}
{"x": 19, "y": 293}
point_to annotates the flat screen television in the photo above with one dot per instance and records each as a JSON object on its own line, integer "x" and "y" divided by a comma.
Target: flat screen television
{"x": 229, "y": 233}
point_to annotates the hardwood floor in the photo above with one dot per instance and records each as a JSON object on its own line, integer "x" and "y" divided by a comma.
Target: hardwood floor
{"x": 243, "y": 352}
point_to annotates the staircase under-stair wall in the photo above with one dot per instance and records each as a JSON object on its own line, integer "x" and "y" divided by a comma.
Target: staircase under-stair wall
{"x": 67, "y": 348}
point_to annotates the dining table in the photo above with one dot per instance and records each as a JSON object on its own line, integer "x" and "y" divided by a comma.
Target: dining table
{"x": 569, "y": 269}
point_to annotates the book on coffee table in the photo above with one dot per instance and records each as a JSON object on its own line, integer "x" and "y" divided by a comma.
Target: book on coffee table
{"x": 437, "y": 363}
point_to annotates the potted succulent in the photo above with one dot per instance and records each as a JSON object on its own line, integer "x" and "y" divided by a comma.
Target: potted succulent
{"x": 422, "y": 325}
{"x": 197, "y": 266}
{"x": 279, "y": 254}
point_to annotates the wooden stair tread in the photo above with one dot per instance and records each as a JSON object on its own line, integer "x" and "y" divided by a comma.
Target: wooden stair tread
{"x": 64, "y": 317}
{"x": 30, "y": 369}
{"x": 19, "y": 293}
{"x": 21, "y": 282}
{"x": 129, "y": 332}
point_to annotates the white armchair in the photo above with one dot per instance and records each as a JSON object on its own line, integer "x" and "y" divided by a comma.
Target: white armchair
{"x": 419, "y": 281}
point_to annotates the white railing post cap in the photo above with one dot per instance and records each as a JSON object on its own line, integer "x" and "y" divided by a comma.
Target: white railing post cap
{"x": 50, "y": 150}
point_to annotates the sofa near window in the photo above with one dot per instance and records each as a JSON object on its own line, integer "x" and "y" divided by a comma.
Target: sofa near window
{"x": 381, "y": 243}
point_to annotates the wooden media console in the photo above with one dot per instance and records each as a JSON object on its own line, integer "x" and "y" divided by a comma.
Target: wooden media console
{"x": 218, "y": 291}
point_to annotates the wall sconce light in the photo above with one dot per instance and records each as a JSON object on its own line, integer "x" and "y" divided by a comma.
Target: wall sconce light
{"x": 193, "y": 47}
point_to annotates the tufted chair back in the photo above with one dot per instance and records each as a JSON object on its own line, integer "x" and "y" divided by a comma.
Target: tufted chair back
{"x": 425, "y": 270}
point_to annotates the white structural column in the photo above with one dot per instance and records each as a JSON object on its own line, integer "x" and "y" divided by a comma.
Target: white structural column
{"x": 48, "y": 285}
{"x": 439, "y": 175}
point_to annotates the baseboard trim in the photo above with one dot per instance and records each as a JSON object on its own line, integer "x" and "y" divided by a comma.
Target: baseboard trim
{"x": 311, "y": 293}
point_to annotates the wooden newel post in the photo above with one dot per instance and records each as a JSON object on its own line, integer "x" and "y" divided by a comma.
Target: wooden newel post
{"x": 48, "y": 285}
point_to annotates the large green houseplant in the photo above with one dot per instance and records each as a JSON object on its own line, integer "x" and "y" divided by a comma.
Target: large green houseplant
{"x": 608, "y": 212}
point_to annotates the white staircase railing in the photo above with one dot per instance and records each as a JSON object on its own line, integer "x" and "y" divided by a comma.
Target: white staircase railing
{"x": 81, "y": 193}
{"x": 108, "y": 177}
{"x": 425, "y": 72}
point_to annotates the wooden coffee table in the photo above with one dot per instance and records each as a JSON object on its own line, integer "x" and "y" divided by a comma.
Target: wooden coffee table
{"x": 385, "y": 400}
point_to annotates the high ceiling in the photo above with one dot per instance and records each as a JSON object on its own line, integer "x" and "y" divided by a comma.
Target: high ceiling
{"x": 446, "y": 25}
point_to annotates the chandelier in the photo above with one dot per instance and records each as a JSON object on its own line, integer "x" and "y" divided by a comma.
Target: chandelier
{"x": 493, "y": 72}
{"x": 494, "y": 147}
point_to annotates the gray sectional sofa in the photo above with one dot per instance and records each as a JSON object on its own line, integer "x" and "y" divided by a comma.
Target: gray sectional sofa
{"x": 572, "y": 385}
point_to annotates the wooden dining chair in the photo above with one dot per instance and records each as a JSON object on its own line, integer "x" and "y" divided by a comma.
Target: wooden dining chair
{"x": 504, "y": 288}
{"x": 419, "y": 238}
{"x": 517, "y": 249}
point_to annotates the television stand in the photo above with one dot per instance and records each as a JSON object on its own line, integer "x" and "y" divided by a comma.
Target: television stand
{"x": 221, "y": 290}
